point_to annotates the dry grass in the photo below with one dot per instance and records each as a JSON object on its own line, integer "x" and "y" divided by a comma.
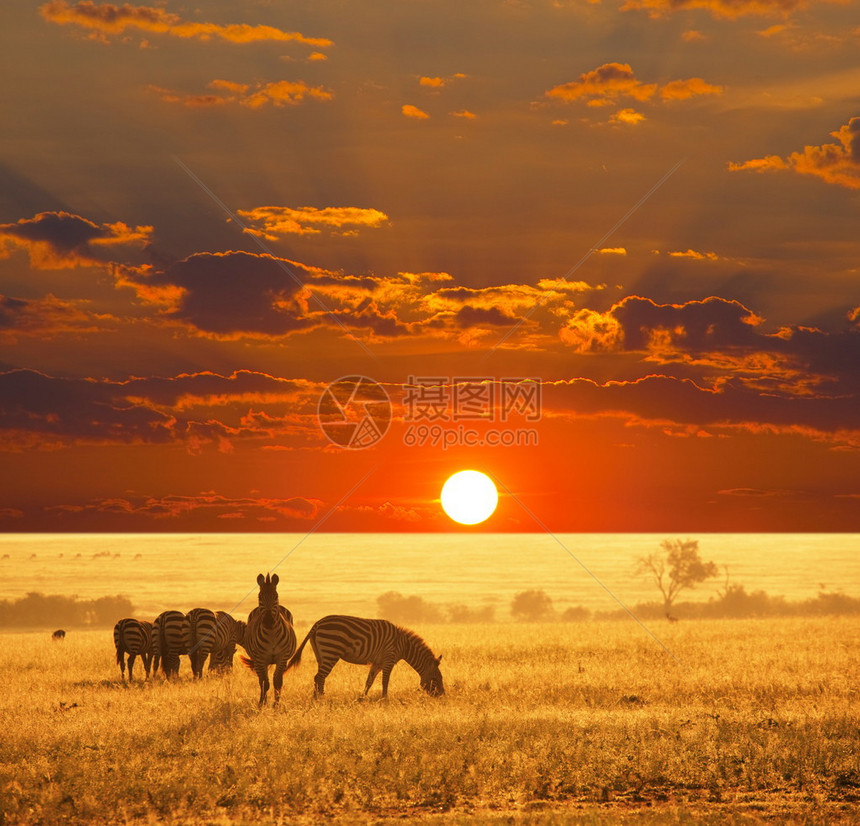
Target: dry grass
{"x": 587, "y": 723}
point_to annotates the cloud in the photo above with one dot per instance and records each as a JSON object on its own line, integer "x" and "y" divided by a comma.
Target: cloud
{"x": 411, "y": 111}
{"x": 731, "y": 406}
{"x": 438, "y": 82}
{"x": 695, "y": 255}
{"x": 728, "y": 9}
{"x": 628, "y": 117}
{"x": 274, "y": 222}
{"x": 61, "y": 240}
{"x": 723, "y": 338}
{"x": 611, "y": 81}
{"x": 198, "y": 409}
{"x": 612, "y": 251}
{"x": 464, "y": 113}
{"x": 202, "y": 507}
{"x": 235, "y": 295}
{"x": 834, "y": 163}
{"x": 229, "y": 295}
{"x": 692, "y": 87}
{"x": 46, "y": 318}
{"x": 110, "y": 19}
{"x": 277, "y": 93}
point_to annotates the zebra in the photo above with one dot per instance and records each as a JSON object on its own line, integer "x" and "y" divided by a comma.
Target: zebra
{"x": 133, "y": 637}
{"x": 59, "y": 635}
{"x": 229, "y": 632}
{"x": 380, "y": 643}
{"x": 170, "y": 637}
{"x": 269, "y": 638}
{"x": 200, "y": 639}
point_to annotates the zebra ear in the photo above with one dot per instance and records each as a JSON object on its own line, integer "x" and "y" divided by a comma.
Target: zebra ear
{"x": 260, "y": 579}
{"x": 275, "y": 579}
{"x": 438, "y": 659}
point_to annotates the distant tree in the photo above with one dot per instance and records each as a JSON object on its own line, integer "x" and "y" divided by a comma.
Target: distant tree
{"x": 464, "y": 613}
{"x": 675, "y": 568}
{"x": 576, "y": 613}
{"x": 532, "y": 606}
{"x": 393, "y": 606}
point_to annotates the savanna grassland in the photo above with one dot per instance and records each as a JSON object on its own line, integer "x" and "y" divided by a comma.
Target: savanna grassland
{"x": 557, "y": 723}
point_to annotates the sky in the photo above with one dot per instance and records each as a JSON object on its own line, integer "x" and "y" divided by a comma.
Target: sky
{"x": 288, "y": 266}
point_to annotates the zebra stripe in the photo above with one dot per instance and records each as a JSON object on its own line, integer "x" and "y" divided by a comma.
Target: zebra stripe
{"x": 269, "y": 637}
{"x": 170, "y": 637}
{"x": 380, "y": 643}
{"x": 200, "y": 640}
{"x": 229, "y": 633}
{"x": 133, "y": 637}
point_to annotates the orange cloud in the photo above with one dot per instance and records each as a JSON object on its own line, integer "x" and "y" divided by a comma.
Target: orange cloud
{"x": 692, "y": 87}
{"x": 107, "y": 19}
{"x": 607, "y": 83}
{"x": 274, "y": 222}
{"x": 439, "y": 82}
{"x": 628, "y": 117}
{"x": 611, "y": 80}
{"x": 834, "y": 163}
{"x": 730, "y": 9}
{"x": 464, "y": 113}
{"x": 413, "y": 112}
{"x": 61, "y": 240}
{"x": 612, "y": 251}
{"x": 45, "y": 317}
{"x": 695, "y": 255}
{"x": 277, "y": 93}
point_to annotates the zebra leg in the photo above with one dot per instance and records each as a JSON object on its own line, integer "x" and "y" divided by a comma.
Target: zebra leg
{"x": 147, "y": 663}
{"x": 131, "y": 659}
{"x": 263, "y": 676}
{"x": 374, "y": 670}
{"x": 121, "y": 660}
{"x": 387, "y": 668}
{"x": 324, "y": 667}
{"x": 278, "y": 681}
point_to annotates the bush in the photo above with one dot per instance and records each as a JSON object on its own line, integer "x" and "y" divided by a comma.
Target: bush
{"x": 398, "y": 608}
{"x": 39, "y": 611}
{"x": 463, "y": 613}
{"x": 532, "y": 606}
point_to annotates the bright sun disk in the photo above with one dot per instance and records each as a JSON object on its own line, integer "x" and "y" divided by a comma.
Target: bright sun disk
{"x": 469, "y": 497}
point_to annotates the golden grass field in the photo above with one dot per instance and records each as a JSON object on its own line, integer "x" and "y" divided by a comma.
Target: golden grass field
{"x": 541, "y": 724}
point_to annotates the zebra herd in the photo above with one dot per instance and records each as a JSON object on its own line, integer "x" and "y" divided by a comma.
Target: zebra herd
{"x": 269, "y": 639}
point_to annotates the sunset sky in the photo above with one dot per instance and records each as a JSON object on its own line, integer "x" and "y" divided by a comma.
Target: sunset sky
{"x": 428, "y": 190}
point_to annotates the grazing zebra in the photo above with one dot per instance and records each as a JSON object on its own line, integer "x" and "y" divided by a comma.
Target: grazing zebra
{"x": 229, "y": 633}
{"x": 379, "y": 643}
{"x": 200, "y": 629}
{"x": 169, "y": 639}
{"x": 269, "y": 637}
{"x": 58, "y": 635}
{"x": 133, "y": 637}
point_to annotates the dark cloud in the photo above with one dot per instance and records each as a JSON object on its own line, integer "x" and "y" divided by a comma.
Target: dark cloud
{"x": 59, "y": 240}
{"x": 37, "y": 410}
{"x": 231, "y": 294}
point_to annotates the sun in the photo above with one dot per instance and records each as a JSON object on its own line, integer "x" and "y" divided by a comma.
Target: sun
{"x": 469, "y": 497}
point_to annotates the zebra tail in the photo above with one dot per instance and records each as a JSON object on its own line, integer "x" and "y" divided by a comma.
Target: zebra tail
{"x": 247, "y": 662}
{"x": 297, "y": 657}
{"x": 119, "y": 653}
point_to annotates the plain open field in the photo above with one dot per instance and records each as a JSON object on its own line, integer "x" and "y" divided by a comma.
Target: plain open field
{"x": 587, "y": 723}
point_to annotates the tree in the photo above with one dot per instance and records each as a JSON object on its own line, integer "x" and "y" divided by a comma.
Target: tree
{"x": 675, "y": 568}
{"x": 532, "y": 606}
{"x": 393, "y": 606}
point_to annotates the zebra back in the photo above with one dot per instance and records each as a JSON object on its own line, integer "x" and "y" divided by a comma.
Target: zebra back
{"x": 170, "y": 636}
{"x": 228, "y": 633}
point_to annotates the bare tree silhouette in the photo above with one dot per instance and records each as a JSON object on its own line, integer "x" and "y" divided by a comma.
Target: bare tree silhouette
{"x": 675, "y": 568}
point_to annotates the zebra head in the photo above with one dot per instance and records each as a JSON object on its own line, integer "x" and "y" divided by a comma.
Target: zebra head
{"x": 268, "y": 599}
{"x": 431, "y": 679}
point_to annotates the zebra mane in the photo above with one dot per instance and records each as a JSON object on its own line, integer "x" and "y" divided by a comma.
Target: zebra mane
{"x": 416, "y": 639}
